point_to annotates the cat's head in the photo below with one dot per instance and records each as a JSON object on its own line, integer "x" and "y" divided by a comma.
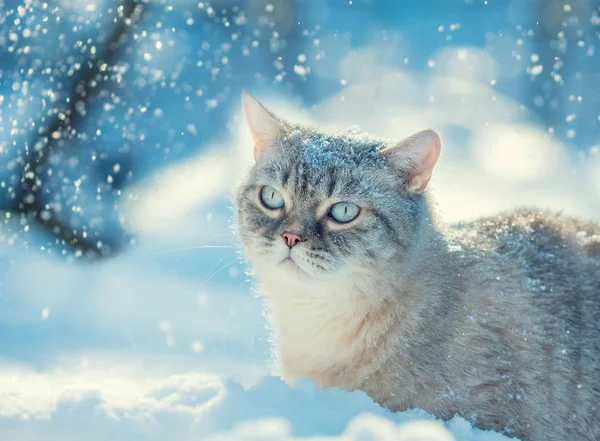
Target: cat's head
{"x": 318, "y": 205}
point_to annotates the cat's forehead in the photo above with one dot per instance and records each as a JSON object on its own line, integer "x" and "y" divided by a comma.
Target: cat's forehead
{"x": 316, "y": 150}
{"x": 315, "y": 164}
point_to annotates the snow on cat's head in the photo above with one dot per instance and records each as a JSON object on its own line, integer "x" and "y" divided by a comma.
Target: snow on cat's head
{"x": 318, "y": 206}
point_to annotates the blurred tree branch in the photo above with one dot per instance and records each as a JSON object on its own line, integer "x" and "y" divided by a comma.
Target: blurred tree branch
{"x": 31, "y": 203}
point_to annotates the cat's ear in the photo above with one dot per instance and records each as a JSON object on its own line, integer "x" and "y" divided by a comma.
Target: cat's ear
{"x": 414, "y": 158}
{"x": 263, "y": 124}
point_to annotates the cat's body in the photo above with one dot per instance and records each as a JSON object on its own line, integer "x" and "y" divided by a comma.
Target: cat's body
{"x": 496, "y": 320}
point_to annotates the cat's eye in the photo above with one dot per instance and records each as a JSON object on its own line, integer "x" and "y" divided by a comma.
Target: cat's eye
{"x": 344, "y": 212}
{"x": 271, "y": 198}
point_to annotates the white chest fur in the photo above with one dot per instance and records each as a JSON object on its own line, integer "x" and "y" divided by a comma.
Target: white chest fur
{"x": 322, "y": 332}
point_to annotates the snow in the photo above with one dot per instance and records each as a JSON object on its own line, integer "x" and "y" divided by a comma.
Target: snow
{"x": 99, "y": 397}
{"x": 166, "y": 340}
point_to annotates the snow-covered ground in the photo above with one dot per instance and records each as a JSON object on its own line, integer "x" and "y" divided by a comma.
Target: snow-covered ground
{"x": 167, "y": 340}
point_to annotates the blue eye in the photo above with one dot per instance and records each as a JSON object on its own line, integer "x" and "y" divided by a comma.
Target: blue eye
{"x": 344, "y": 212}
{"x": 271, "y": 198}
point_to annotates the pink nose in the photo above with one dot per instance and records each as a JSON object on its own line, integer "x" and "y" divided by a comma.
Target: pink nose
{"x": 292, "y": 239}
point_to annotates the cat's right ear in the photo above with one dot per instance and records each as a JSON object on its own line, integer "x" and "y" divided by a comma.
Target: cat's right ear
{"x": 414, "y": 158}
{"x": 263, "y": 124}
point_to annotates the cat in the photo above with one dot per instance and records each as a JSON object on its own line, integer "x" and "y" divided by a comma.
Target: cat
{"x": 495, "y": 320}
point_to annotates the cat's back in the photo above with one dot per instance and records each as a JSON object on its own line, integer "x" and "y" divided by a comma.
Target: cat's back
{"x": 526, "y": 233}
{"x": 548, "y": 267}
{"x": 550, "y": 253}
{"x": 553, "y": 258}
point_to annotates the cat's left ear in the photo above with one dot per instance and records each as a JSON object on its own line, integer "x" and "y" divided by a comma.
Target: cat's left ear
{"x": 414, "y": 158}
{"x": 263, "y": 124}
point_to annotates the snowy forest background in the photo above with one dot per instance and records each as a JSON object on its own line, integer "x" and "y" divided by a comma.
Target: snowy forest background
{"x": 125, "y": 312}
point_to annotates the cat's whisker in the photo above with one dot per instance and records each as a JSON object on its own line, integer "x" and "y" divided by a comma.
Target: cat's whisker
{"x": 201, "y": 247}
{"x": 209, "y": 274}
{"x": 252, "y": 236}
{"x": 220, "y": 269}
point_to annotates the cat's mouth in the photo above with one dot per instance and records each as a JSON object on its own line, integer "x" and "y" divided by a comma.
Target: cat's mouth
{"x": 288, "y": 260}
{"x": 289, "y": 263}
